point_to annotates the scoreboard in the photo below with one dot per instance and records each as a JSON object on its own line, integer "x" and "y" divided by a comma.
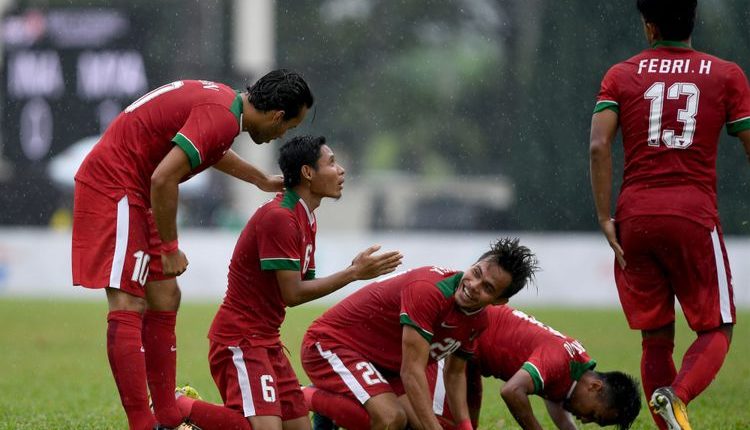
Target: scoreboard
{"x": 66, "y": 74}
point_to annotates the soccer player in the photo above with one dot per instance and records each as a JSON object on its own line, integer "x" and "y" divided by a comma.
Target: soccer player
{"x": 536, "y": 359}
{"x": 374, "y": 346}
{"x": 671, "y": 103}
{"x": 273, "y": 266}
{"x": 125, "y": 204}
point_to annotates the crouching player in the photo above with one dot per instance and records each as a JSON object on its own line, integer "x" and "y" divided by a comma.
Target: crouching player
{"x": 536, "y": 359}
{"x": 366, "y": 356}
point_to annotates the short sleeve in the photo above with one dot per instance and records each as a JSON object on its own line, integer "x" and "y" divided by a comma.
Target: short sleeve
{"x": 548, "y": 366}
{"x": 207, "y": 134}
{"x": 279, "y": 241}
{"x": 421, "y": 306}
{"x": 737, "y": 101}
{"x": 608, "y": 96}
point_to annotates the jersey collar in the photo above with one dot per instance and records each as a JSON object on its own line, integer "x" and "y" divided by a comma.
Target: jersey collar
{"x": 236, "y": 108}
{"x": 291, "y": 198}
{"x": 670, "y": 44}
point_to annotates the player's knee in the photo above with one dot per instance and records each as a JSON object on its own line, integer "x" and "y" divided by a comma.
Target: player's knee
{"x": 392, "y": 419}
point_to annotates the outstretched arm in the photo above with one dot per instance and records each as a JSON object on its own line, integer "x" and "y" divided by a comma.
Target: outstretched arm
{"x": 366, "y": 265}
{"x": 745, "y": 138}
{"x": 234, "y": 165}
{"x": 516, "y": 393}
{"x": 562, "y": 419}
{"x": 455, "y": 390}
{"x": 603, "y": 130}
{"x": 415, "y": 351}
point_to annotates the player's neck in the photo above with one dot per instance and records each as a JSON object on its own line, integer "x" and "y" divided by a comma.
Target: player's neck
{"x": 312, "y": 201}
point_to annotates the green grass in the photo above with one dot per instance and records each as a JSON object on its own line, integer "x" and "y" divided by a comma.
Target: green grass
{"x": 54, "y": 372}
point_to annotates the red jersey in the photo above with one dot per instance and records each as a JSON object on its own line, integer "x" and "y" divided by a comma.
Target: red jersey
{"x": 514, "y": 340}
{"x": 369, "y": 321}
{"x": 672, "y": 102}
{"x": 200, "y": 117}
{"x": 279, "y": 236}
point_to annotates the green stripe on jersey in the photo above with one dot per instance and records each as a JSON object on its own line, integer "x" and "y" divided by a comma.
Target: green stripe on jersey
{"x": 734, "y": 127}
{"x": 190, "y": 150}
{"x": 310, "y": 274}
{"x": 279, "y": 264}
{"x": 290, "y": 199}
{"x": 607, "y": 104}
{"x": 535, "y": 376}
{"x": 671, "y": 43}
{"x": 236, "y": 109}
{"x": 448, "y": 285}
{"x": 577, "y": 369}
{"x": 405, "y": 320}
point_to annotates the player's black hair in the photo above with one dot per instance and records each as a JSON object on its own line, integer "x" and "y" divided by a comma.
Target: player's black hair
{"x": 515, "y": 259}
{"x": 623, "y": 396}
{"x": 675, "y": 19}
{"x": 281, "y": 90}
{"x": 297, "y": 152}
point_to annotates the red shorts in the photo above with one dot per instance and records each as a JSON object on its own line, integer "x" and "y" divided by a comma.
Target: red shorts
{"x": 258, "y": 381}
{"x": 670, "y": 257}
{"x": 340, "y": 370}
{"x": 115, "y": 244}
{"x": 434, "y": 372}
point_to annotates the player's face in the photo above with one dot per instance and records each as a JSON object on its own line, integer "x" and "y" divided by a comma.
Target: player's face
{"x": 482, "y": 285}
{"x": 272, "y": 125}
{"x": 589, "y": 407}
{"x": 328, "y": 179}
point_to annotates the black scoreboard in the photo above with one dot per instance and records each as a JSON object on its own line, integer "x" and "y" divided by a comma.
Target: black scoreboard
{"x": 66, "y": 74}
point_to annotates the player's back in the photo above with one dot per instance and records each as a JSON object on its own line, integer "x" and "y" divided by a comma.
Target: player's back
{"x": 673, "y": 102}
{"x": 142, "y": 135}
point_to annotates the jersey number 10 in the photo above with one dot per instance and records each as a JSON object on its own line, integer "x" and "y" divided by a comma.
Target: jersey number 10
{"x": 686, "y": 115}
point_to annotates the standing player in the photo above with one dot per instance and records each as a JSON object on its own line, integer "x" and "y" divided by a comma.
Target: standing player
{"x": 124, "y": 228}
{"x": 273, "y": 267}
{"x": 374, "y": 346}
{"x": 536, "y": 359}
{"x": 671, "y": 103}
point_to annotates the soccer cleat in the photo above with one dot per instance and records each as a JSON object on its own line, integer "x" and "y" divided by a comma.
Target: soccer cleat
{"x": 673, "y": 410}
{"x": 187, "y": 391}
{"x": 321, "y": 422}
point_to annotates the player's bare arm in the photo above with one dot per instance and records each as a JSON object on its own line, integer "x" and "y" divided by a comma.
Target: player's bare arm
{"x": 234, "y": 165}
{"x": 516, "y": 394}
{"x": 454, "y": 376}
{"x": 745, "y": 138}
{"x": 562, "y": 419}
{"x": 366, "y": 265}
{"x": 164, "y": 195}
{"x": 603, "y": 130}
{"x": 415, "y": 351}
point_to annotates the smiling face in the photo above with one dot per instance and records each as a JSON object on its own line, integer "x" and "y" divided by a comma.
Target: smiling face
{"x": 482, "y": 285}
{"x": 328, "y": 179}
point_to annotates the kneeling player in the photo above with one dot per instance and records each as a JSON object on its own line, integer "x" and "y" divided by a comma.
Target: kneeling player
{"x": 536, "y": 359}
{"x": 373, "y": 347}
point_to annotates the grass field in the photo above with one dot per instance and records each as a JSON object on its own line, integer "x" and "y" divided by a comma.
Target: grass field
{"x": 54, "y": 372}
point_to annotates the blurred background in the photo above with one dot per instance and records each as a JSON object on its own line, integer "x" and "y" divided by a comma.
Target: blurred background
{"x": 457, "y": 121}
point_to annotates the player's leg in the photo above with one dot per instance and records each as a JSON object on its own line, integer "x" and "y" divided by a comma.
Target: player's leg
{"x": 208, "y": 416}
{"x": 647, "y": 300}
{"x": 107, "y": 237}
{"x": 346, "y": 381}
{"x": 294, "y": 411}
{"x": 704, "y": 289}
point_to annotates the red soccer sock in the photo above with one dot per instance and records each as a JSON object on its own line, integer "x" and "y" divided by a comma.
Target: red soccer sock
{"x": 657, "y": 368}
{"x": 160, "y": 343}
{"x": 209, "y": 416}
{"x": 126, "y": 359}
{"x": 700, "y": 364}
{"x": 344, "y": 411}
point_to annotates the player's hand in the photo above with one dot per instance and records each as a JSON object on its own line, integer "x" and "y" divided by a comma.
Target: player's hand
{"x": 272, "y": 183}
{"x": 608, "y": 228}
{"x": 174, "y": 263}
{"x": 368, "y": 265}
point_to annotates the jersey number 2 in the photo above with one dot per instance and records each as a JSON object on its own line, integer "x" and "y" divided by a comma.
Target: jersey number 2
{"x": 655, "y": 93}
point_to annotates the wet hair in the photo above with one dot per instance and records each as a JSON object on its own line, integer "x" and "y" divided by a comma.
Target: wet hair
{"x": 675, "y": 19}
{"x": 515, "y": 259}
{"x": 297, "y": 152}
{"x": 622, "y": 395}
{"x": 281, "y": 90}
